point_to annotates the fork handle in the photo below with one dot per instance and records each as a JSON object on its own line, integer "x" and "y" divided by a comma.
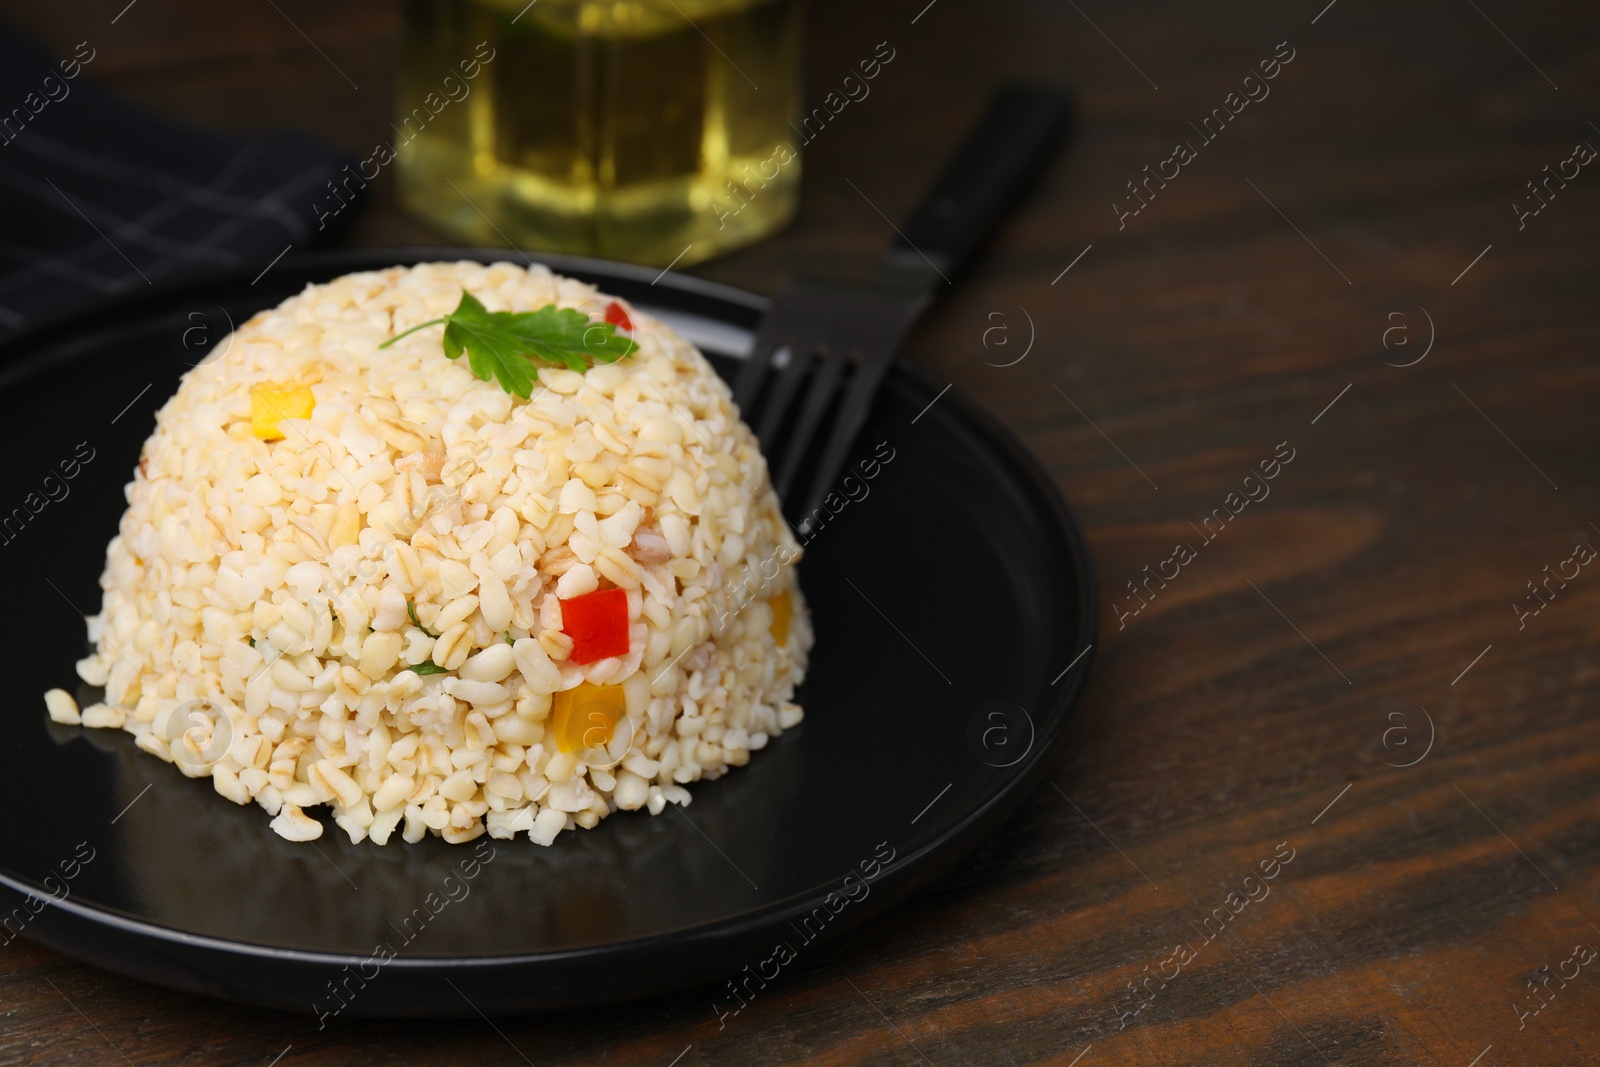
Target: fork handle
{"x": 984, "y": 179}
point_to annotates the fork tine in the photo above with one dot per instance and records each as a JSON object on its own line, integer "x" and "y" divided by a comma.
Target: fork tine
{"x": 754, "y": 372}
{"x": 784, "y": 390}
{"x": 852, "y": 416}
{"x": 812, "y": 412}
{"x": 794, "y": 308}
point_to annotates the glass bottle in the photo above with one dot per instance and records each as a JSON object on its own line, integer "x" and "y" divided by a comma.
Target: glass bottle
{"x": 654, "y": 131}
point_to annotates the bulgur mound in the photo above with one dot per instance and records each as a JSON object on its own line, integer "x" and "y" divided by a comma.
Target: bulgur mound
{"x": 266, "y": 601}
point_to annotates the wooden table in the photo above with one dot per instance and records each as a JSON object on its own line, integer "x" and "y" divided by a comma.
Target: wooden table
{"x": 1342, "y": 675}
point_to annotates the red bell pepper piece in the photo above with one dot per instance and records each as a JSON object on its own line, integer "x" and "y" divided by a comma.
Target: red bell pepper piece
{"x": 617, "y": 316}
{"x": 597, "y": 622}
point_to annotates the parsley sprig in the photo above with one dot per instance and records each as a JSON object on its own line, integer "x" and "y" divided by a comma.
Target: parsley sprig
{"x": 503, "y": 344}
{"x": 411, "y": 609}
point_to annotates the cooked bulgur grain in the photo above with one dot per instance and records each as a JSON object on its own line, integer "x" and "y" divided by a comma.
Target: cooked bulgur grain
{"x": 273, "y": 608}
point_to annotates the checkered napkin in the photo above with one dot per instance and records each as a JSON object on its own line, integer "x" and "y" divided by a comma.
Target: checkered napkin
{"x": 98, "y": 195}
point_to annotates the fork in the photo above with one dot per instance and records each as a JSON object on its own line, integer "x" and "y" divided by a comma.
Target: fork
{"x": 823, "y": 349}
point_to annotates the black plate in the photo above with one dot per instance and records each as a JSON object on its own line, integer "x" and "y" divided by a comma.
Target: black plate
{"x": 948, "y": 603}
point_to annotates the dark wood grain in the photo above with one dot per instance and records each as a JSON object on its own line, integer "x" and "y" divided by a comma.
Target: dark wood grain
{"x": 1225, "y": 717}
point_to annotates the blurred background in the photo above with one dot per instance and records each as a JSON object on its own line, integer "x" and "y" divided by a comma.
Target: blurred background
{"x": 1194, "y": 323}
{"x": 651, "y": 133}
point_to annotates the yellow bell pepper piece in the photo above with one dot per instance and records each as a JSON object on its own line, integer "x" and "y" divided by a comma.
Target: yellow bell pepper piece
{"x": 269, "y": 404}
{"x": 782, "y": 611}
{"x": 586, "y": 716}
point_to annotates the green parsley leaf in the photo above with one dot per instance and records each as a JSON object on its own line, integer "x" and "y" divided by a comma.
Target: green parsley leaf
{"x": 500, "y": 344}
{"x": 427, "y": 666}
{"x": 411, "y": 609}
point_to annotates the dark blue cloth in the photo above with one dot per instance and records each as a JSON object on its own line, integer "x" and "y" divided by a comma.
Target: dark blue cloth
{"x": 99, "y": 195}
